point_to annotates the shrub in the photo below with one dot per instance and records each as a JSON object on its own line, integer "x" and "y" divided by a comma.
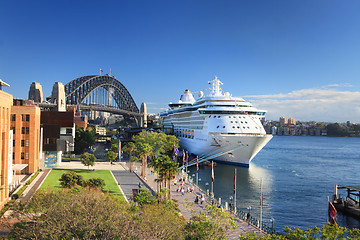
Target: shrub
{"x": 95, "y": 183}
{"x": 71, "y": 179}
{"x": 144, "y": 197}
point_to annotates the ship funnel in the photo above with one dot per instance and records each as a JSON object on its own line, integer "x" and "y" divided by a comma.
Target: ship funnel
{"x": 187, "y": 97}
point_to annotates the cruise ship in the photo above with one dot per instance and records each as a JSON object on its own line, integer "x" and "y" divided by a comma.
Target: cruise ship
{"x": 219, "y": 126}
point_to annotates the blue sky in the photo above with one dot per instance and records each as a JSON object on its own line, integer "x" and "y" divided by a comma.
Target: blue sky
{"x": 297, "y": 59}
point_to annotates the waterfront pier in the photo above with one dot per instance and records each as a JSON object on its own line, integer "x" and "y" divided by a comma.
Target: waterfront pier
{"x": 350, "y": 204}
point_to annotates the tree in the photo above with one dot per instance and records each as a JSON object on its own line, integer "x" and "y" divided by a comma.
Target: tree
{"x": 83, "y": 139}
{"x": 328, "y": 231}
{"x": 91, "y": 214}
{"x": 143, "y": 150}
{"x": 114, "y": 147}
{"x": 153, "y": 144}
{"x": 110, "y": 156}
{"x": 88, "y": 159}
{"x": 129, "y": 149}
{"x": 335, "y": 129}
{"x": 166, "y": 169}
{"x": 210, "y": 225}
{"x": 71, "y": 179}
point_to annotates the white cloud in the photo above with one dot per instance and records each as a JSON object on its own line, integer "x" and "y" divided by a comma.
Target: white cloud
{"x": 328, "y": 105}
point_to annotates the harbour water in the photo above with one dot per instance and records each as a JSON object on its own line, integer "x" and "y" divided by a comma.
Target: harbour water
{"x": 298, "y": 173}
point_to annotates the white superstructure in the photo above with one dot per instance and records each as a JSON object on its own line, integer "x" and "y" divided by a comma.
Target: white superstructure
{"x": 217, "y": 124}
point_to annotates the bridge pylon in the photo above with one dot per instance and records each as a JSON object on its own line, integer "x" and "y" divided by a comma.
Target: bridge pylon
{"x": 143, "y": 117}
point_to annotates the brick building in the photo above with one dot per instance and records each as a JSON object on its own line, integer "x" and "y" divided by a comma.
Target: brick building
{"x": 6, "y": 101}
{"x": 25, "y": 123}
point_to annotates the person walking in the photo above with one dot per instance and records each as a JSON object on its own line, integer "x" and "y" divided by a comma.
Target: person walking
{"x": 202, "y": 199}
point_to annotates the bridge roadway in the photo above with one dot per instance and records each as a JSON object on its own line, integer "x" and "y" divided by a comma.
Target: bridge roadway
{"x": 100, "y": 108}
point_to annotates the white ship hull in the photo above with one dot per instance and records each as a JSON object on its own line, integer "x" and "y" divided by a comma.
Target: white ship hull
{"x": 231, "y": 149}
{"x": 218, "y": 126}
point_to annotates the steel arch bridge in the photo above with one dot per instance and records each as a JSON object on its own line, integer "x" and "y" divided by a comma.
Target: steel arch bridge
{"x": 80, "y": 88}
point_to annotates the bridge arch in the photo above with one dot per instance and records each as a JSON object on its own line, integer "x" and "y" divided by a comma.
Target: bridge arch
{"x": 78, "y": 89}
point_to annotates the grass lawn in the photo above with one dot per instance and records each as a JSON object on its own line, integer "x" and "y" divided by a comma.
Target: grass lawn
{"x": 52, "y": 179}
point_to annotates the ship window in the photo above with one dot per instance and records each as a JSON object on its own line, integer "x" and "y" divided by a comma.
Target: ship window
{"x": 242, "y": 122}
{"x": 218, "y": 116}
{"x": 236, "y": 122}
{"x": 245, "y": 121}
{"x": 229, "y": 116}
{"x": 256, "y": 127}
{"x": 209, "y": 116}
{"x": 223, "y": 126}
{"x": 244, "y": 127}
{"x": 217, "y": 126}
{"x": 231, "y": 121}
{"x": 233, "y": 127}
{"x": 238, "y": 127}
{"x": 248, "y": 127}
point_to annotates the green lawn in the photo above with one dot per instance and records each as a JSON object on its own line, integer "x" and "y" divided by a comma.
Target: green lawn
{"x": 52, "y": 179}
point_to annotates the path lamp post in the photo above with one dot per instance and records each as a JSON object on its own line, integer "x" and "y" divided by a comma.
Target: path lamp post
{"x": 272, "y": 220}
{"x": 207, "y": 188}
{"x": 249, "y": 212}
{"x": 231, "y": 202}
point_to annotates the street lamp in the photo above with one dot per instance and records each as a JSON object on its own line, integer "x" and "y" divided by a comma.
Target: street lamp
{"x": 248, "y": 215}
{"x": 272, "y": 220}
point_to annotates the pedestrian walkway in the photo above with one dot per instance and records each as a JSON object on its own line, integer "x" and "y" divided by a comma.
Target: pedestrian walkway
{"x": 129, "y": 181}
{"x": 35, "y": 184}
{"x": 97, "y": 166}
{"x": 188, "y": 208}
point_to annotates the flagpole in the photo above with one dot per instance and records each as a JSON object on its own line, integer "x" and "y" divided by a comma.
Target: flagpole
{"x": 327, "y": 210}
{"x": 187, "y": 160}
{"x": 197, "y": 170}
{"x": 212, "y": 175}
{"x": 235, "y": 192}
{"x": 261, "y": 203}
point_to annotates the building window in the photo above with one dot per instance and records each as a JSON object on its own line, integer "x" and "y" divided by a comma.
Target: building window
{"x": 27, "y": 130}
{"x": 22, "y": 155}
{"x": 26, "y": 156}
{"x": 13, "y": 116}
{"x": 13, "y": 143}
{"x": 27, "y": 117}
{"x": 23, "y": 143}
{"x": 13, "y": 155}
{"x": 26, "y": 143}
{"x": 69, "y": 131}
{"x": 23, "y": 130}
{"x": 23, "y": 117}
{"x": 13, "y": 128}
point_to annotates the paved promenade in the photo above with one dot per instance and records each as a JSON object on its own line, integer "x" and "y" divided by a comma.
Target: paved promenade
{"x": 188, "y": 200}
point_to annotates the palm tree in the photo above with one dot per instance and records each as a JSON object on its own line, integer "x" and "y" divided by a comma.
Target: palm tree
{"x": 171, "y": 169}
{"x": 143, "y": 150}
{"x": 128, "y": 149}
{"x": 166, "y": 168}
